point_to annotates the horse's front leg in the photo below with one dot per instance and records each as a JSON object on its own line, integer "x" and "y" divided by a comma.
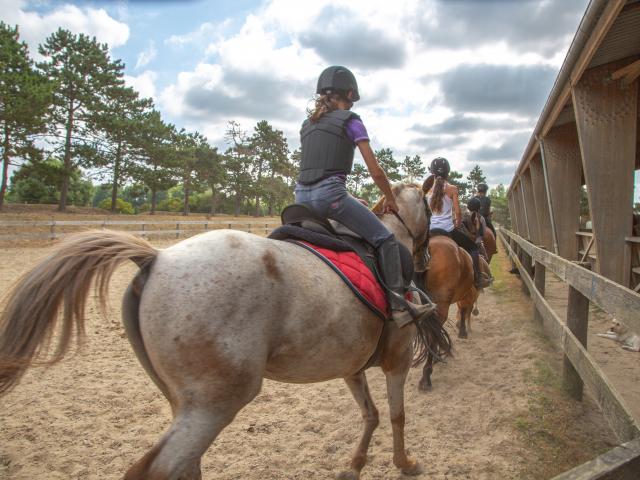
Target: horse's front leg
{"x": 395, "y": 392}
{"x": 360, "y": 391}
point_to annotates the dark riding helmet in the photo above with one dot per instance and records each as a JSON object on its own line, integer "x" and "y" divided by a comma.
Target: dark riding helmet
{"x": 440, "y": 167}
{"x": 337, "y": 78}
{"x": 473, "y": 205}
{"x": 482, "y": 187}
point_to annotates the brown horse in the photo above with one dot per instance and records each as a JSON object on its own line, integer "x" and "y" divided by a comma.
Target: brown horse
{"x": 210, "y": 317}
{"x": 449, "y": 280}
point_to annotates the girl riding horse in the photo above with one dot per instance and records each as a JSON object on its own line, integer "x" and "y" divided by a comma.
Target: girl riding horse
{"x": 328, "y": 137}
{"x": 446, "y": 216}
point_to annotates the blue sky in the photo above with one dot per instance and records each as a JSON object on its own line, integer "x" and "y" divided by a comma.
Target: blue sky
{"x": 464, "y": 79}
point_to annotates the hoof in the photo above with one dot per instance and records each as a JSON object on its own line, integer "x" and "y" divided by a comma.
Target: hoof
{"x": 476, "y": 312}
{"x": 424, "y": 387}
{"x": 348, "y": 475}
{"x": 412, "y": 468}
{"x": 462, "y": 335}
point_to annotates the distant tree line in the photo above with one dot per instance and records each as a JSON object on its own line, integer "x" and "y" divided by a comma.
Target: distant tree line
{"x": 71, "y": 113}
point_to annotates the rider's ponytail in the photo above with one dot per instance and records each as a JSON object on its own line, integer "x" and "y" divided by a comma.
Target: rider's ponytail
{"x": 437, "y": 195}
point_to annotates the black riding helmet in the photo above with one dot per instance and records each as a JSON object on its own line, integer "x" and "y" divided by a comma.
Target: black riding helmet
{"x": 482, "y": 187}
{"x": 440, "y": 167}
{"x": 337, "y": 78}
{"x": 473, "y": 205}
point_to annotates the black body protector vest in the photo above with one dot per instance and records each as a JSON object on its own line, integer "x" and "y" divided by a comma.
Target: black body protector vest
{"x": 485, "y": 205}
{"x": 326, "y": 149}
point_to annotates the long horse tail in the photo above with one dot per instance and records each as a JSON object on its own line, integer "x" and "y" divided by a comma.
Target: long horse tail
{"x": 60, "y": 284}
{"x": 432, "y": 337}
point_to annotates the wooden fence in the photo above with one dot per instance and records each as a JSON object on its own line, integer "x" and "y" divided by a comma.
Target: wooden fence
{"x": 580, "y": 369}
{"x": 53, "y": 229}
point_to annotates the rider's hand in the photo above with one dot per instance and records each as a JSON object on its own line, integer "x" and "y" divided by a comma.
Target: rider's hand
{"x": 390, "y": 206}
{"x": 458, "y": 223}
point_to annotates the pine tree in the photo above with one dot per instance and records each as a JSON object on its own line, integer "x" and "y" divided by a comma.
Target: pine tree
{"x": 475, "y": 178}
{"x": 389, "y": 164}
{"x": 412, "y": 168}
{"x": 238, "y": 160}
{"x": 359, "y": 174}
{"x": 156, "y": 154}
{"x": 114, "y": 129}
{"x": 82, "y": 71}
{"x": 25, "y": 96}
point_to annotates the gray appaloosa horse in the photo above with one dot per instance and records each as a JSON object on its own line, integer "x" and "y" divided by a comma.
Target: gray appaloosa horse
{"x": 213, "y": 315}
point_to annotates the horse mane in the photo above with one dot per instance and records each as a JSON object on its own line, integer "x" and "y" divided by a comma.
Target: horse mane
{"x": 397, "y": 188}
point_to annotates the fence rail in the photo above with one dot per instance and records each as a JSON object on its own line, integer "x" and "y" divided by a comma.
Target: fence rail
{"x": 580, "y": 367}
{"x": 251, "y": 226}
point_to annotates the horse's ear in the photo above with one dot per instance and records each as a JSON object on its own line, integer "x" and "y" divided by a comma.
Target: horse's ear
{"x": 428, "y": 183}
{"x": 378, "y": 208}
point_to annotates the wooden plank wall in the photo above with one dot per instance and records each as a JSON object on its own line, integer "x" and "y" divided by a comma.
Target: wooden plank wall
{"x": 606, "y": 118}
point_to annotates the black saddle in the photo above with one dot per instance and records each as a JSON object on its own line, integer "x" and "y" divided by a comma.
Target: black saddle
{"x": 299, "y": 222}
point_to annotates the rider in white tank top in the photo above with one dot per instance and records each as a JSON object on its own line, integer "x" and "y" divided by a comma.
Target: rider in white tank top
{"x": 443, "y": 220}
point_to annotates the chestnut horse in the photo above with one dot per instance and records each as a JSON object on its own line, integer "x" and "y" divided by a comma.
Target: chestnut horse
{"x": 449, "y": 280}
{"x": 212, "y": 315}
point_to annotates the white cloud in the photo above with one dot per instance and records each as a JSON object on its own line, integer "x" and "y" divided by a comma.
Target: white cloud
{"x": 146, "y": 56}
{"x": 268, "y": 67}
{"x": 206, "y": 33}
{"x": 144, "y": 83}
{"x": 35, "y": 26}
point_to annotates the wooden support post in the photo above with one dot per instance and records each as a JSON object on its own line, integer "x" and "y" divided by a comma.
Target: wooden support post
{"x": 52, "y": 229}
{"x": 549, "y": 207}
{"x": 606, "y": 117}
{"x": 266, "y": 229}
{"x": 564, "y": 171}
{"x": 248, "y": 227}
{"x": 178, "y": 230}
{"x": 517, "y": 201}
{"x": 530, "y": 207}
{"x": 578, "y": 322}
{"x": 628, "y": 255}
{"x": 512, "y": 212}
{"x": 539, "y": 272}
{"x": 525, "y": 259}
{"x": 545, "y": 233}
{"x": 229, "y": 226}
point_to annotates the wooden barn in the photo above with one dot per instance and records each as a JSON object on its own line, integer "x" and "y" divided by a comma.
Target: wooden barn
{"x": 573, "y": 190}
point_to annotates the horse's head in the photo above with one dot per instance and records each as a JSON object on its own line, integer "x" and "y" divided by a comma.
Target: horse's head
{"x": 413, "y": 212}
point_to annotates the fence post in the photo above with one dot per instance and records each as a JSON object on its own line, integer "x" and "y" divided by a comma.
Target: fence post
{"x": 178, "y": 230}
{"x": 539, "y": 274}
{"x": 144, "y": 228}
{"x": 52, "y": 229}
{"x": 266, "y": 229}
{"x": 229, "y": 226}
{"x": 525, "y": 259}
{"x": 248, "y": 228}
{"x": 577, "y": 321}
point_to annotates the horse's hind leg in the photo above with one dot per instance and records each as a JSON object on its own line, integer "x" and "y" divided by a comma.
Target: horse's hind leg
{"x": 360, "y": 391}
{"x": 425, "y": 382}
{"x": 201, "y": 411}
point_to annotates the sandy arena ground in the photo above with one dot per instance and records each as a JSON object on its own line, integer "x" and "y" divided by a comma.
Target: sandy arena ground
{"x": 496, "y": 411}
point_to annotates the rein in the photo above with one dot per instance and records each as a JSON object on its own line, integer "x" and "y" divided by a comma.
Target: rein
{"x": 417, "y": 245}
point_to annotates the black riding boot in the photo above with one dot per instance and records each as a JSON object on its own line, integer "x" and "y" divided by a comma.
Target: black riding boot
{"x": 480, "y": 279}
{"x": 402, "y": 310}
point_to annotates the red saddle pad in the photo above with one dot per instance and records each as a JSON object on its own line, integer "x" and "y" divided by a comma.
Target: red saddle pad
{"x": 357, "y": 275}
